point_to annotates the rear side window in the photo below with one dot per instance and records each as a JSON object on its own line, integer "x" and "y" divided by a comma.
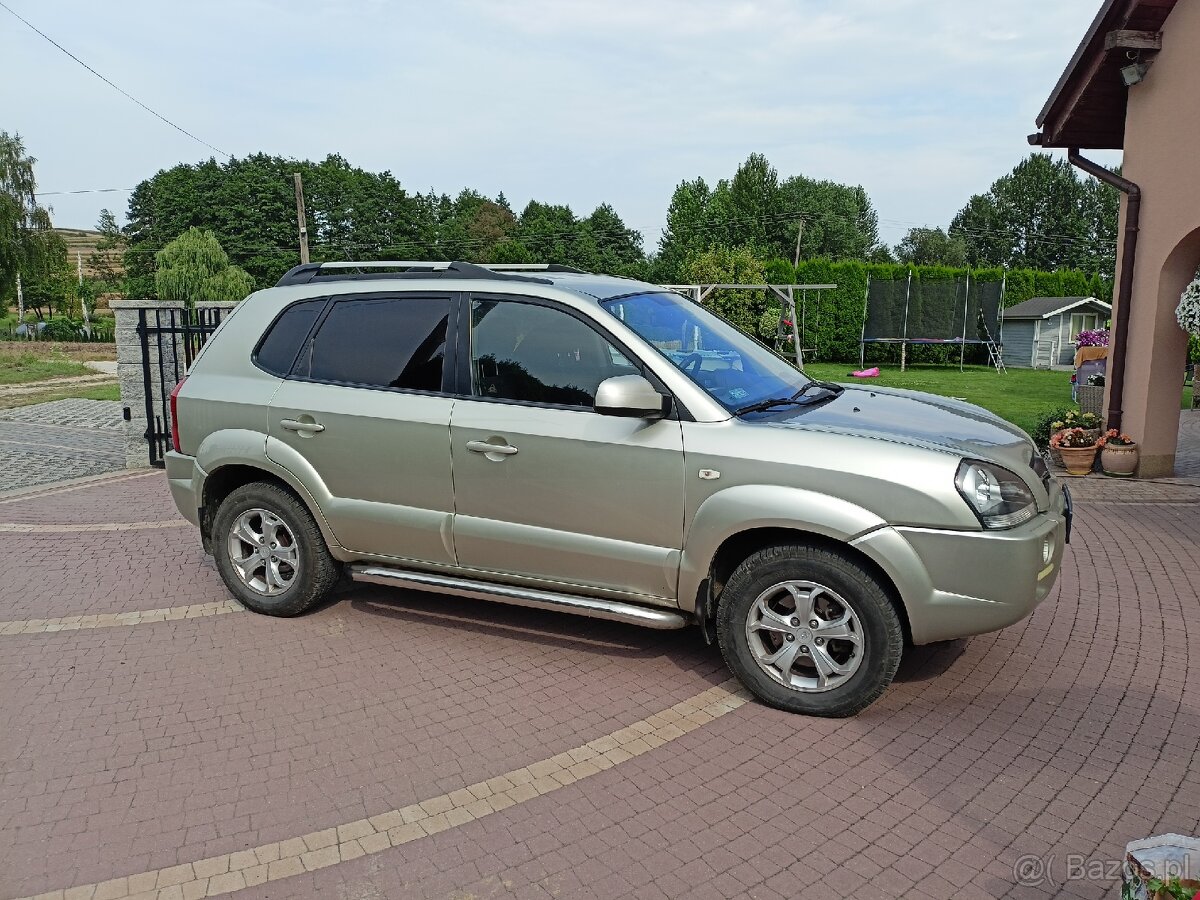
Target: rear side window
{"x": 277, "y": 351}
{"x": 386, "y": 342}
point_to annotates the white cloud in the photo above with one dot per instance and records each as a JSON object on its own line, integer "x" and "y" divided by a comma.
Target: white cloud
{"x": 579, "y": 102}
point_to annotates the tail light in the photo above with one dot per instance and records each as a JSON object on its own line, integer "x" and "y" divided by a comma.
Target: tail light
{"x": 175, "y": 416}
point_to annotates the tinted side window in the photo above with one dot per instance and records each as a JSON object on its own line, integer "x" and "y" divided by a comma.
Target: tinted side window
{"x": 277, "y": 351}
{"x": 520, "y": 351}
{"x": 388, "y": 342}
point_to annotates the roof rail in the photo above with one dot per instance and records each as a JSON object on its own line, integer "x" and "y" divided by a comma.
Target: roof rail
{"x": 353, "y": 271}
{"x": 533, "y": 267}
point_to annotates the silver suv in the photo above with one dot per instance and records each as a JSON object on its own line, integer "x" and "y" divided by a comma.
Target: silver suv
{"x": 594, "y": 445}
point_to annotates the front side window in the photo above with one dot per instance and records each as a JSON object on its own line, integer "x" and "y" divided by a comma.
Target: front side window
{"x": 733, "y": 368}
{"x": 391, "y": 342}
{"x": 537, "y": 354}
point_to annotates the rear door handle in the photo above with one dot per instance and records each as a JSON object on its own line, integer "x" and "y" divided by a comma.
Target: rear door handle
{"x": 485, "y": 447}
{"x": 302, "y": 427}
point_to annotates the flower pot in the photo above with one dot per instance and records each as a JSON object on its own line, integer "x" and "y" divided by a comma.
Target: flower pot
{"x": 1119, "y": 461}
{"x": 1078, "y": 460}
{"x": 1056, "y": 455}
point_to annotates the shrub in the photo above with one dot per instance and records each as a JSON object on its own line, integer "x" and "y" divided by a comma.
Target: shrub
{"x": 60, "y": 330}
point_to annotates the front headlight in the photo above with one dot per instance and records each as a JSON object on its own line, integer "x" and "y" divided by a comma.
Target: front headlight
{"x": 998, "y": 497}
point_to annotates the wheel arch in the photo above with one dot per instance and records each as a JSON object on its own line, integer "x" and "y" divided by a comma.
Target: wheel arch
{"x": 736, "y": 548}
{"x": 225, "y": 479}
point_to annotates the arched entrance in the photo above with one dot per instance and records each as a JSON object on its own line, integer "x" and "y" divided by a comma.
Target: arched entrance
{"x": 1155, "y": 372}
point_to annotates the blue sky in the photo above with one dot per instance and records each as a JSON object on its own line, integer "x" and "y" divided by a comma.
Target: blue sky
{"x": 576, "y": 101}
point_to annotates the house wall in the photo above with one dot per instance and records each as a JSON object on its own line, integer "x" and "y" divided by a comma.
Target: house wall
{"x": 1162, "y": 132}
{"x": 1018, "y": 343}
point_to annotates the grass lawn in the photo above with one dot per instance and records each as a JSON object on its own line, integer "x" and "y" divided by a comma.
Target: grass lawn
{"x": 25, "y": 361}
{"x": 86, "y": 392}
{"x": 1022, "y": 395}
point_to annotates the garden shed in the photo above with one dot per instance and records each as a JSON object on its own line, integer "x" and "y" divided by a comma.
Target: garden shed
{"x": 1040, "y": 332}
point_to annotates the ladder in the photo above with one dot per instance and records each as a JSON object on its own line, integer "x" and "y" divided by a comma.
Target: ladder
{"x": 995, "y": 357}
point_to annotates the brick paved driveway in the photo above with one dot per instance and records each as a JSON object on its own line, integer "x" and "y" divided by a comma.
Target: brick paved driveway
{"x": 155, "y": 741}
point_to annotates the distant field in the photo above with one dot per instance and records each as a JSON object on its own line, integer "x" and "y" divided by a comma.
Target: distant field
{"x": 25, "y": 361}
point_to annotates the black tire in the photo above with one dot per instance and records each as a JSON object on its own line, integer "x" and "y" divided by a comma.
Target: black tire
{"x": 882, "y": 638}
{"x": 316, "y": 571}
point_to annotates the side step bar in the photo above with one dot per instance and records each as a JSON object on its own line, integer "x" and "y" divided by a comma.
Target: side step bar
{"x": 612, "y": 610}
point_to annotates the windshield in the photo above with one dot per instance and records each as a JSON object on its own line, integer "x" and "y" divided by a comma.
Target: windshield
{"x": 733, "y": 368}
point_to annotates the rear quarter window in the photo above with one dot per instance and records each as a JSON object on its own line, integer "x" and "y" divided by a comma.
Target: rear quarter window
{"x": 277, "y": 350}
{"x": 388, "y": 342}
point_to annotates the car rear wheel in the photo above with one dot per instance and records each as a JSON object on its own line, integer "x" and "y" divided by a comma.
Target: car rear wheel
{"x": 808, "y": 630}
{"x": 270, "y": 552}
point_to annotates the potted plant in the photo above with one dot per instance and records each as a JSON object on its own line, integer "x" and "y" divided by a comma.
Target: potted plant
{"x": 1077, "y": 448}
{"x": 1187, "y": 313}
{"x": 1118, "y": 454}
{"x": 1088, "y": 422}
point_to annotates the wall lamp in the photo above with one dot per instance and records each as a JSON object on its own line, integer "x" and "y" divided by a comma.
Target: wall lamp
{"x": 1133, "y": 73}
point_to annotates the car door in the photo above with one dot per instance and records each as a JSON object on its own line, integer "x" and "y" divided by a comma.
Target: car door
{"x": 364, "y": 418}
{"x": 545, "y": 487}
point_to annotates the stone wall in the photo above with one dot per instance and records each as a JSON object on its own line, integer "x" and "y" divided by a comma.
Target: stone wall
{"x": 166, "y": 358}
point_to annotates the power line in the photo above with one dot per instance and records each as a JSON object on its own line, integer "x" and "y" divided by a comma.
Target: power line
{"x": 110, "y": 84}
{"x": 85, "y": 190}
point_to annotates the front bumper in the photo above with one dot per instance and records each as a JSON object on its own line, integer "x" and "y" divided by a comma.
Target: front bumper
{"x": 959, "y": 583}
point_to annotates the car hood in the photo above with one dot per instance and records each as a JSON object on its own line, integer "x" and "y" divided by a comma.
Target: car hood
{"x": 919, "y": 419}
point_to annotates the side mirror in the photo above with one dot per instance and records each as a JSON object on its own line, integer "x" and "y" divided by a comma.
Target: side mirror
{"x": 631, "y": 396}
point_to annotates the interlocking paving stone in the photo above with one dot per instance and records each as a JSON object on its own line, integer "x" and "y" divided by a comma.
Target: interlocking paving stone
{"x": 60, "y": 440}
{"x": 74, "y": 413}
{"x": 129, "y": 752}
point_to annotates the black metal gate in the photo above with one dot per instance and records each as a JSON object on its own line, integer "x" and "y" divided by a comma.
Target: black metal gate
{"x": 170, "y": 339}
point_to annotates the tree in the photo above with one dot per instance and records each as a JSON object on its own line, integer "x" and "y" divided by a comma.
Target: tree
{"x": 105, "y": 260}
{"x": 1042, "y": 215}
{"x": 732, "y": 265}
{"x": 684, "y": 235}
{"x": 617, "y": 250}
{"x": 25, "y": 243}
{"x": 932, "y": 247}
{"x": 249, "y": 205}
{"x": 193, "y": 267}
{"x": 46, "y": 276}
{"x": 758, "y": 211}
{"x": 754, "y": 202}
{"x": 839, "y": 221}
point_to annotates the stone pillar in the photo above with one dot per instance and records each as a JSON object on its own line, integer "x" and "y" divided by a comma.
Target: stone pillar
{"x": 131, "y": 374}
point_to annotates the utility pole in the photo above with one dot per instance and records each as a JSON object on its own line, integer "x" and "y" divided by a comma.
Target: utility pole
{"x": 799, "y": 234}
{"x": 301, "y": 221}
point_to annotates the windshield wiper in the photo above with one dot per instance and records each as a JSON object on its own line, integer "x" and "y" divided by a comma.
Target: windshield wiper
{"x": 800, "y": 398}
{"x": 834, "y": 389}
{"x": 762, "y": 405}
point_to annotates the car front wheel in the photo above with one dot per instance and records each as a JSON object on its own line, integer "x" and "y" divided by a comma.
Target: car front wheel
{"x": 809, "y": 630}
{"x": 270, "y": 552}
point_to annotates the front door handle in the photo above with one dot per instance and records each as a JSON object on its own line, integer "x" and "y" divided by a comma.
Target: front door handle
{"x": 489, "y": 449}
{"x": 301, "y": 427}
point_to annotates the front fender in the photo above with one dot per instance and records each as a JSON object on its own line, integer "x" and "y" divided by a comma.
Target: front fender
{"x": 747, "y": 507}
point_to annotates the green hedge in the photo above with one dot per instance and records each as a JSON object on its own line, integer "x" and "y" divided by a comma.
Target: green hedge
{"x": 839, "y": 314}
